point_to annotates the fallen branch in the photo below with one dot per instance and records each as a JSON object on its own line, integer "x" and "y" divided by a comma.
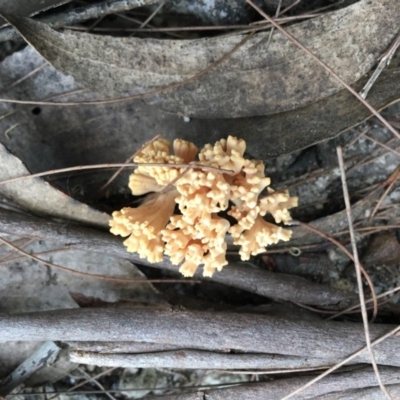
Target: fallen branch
{"x": 329, "y": 341}
{"x": 264, "y": 283}
{"x": 195, "y": 359}
{"x": 332, "y": 387}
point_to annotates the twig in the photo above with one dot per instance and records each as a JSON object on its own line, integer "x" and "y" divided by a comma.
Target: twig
{"x": 285, "y": 10}
{"x": 97, "y": 383}
{"x": 152, "y": 15}
{"x": 395, "y": 176}
{"x": 44, "y": 355}
{"x": 358, "y": 270}
{"x": 27, "y": 76}
{"x": 99, "y": 375}
{"x": 347, "y": 310}
{"x": 385, "y": 61}
{"x": 244, "y": 28}
{"x": 393, "y": 151}
{"x": 170, "y": 184}
{"x": 326, "y": 67}
{"x": 127, "y": 160}
{"x": 114, "y": 165}
{"x": 264, "y": 283}
{"x": 358, "y": 137}
{"x": 89, "y": 275}
{"x": 343, "y": 362}
{"x": 167, "y": 325}
{"x": 343, "y": 248}
{"x": 81, "y": 14}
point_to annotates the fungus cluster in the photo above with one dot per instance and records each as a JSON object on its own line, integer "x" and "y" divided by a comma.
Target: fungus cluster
{"x": 220, "y": 180}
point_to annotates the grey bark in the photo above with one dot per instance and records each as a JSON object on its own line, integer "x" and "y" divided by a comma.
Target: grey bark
{"x": 27, "y": 7}
{"x": 333, "y": 387}
{"x": 192, "y": 359}
{"x": 264, "y": 283}
{"x": 330, "y": 341}
{"x": 78, "y": 15}
{"x": 46, "y": 354}
{"x": 121, "y": 347}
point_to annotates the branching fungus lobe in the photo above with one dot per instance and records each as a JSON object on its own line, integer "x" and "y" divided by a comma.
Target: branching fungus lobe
{"x": 196, "y": 236}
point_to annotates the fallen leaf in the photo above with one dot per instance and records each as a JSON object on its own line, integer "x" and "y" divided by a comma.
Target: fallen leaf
{"x": 28, "y": 7}
{"x": 383, "y": 248}
{"x": 47, "y": 137}
{"x": 260, "y": 78}
{"x": 39, "y": 197}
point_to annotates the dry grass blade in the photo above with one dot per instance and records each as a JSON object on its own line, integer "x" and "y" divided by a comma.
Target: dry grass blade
{"x": 117, "y": 165}
{"x": 351, "y": 309}
{"x": 152, "y": 15}
{"x": 326, "y": 67}
{"x": 382, "y": 145}
{"x": 107, "y": 371}
{"x": 285, "y": 10}
{"x": 27, "y": 76}
{"x": 127, "y": 160}
{"x": 358, "y": 270}
{"x": 97, "y": 383}
{"x": 394, "y": 176}
{"x": 343, "y": 362}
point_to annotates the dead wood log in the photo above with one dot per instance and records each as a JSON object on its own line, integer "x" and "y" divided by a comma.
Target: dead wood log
{"x": 330, "y": 341}
{"x": 344, "y": 386}
{"x": 264, "y": 283}
{"x": 192, "y": 359}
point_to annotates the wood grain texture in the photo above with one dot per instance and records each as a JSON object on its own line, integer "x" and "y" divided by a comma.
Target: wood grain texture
{"x": 264, "y": 283}
{"x": 210, "y": 330}
{"x": 195, "y": 359}
{"x": 329, "y": 385}
{"x": 351, "y": 385}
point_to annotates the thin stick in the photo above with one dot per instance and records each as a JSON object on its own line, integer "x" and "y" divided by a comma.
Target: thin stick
{"x": 358, "y": 137}
{"x": 326, "y": 67}
{"x": 140, "y": 95}
{"x": 95, "y": 276}
{"x": 41, "y": 253}
{"x": 389, "y": 188}
{"x": 9, "y": 256}
{"x": 97, "y": 383}
{"x": 244, "y": 28}
{"x": 152, "y": 15}
{"x": 358, "y": 270}
{"x": 347, "y": 310}
{"x": 127, "y": 160}
{"x": 170, "y": 184}
{"x": 385, "y": 61}
{"x": 382, "y": 145}
{"x": 285, "y": 10}
{"x": 20, "y": 80}
{"x": 115, "y": 165}
{"x": 343, "y": 248}
{"x": 343, "y": 362}
{"x": 138, "y": 22}
{"x": 107, "y": 371}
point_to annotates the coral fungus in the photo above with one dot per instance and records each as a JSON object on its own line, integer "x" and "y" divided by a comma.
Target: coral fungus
{"x": 196, "y": 236}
